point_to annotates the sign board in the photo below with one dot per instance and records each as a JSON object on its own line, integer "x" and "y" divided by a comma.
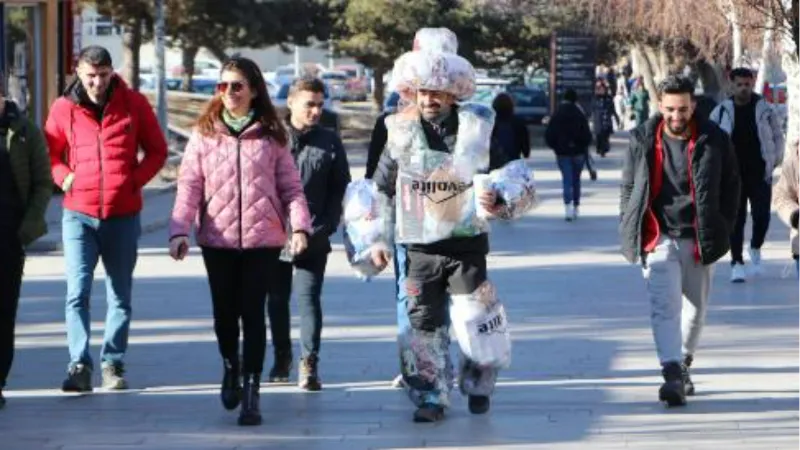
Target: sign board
{"x": 572, "y": 66}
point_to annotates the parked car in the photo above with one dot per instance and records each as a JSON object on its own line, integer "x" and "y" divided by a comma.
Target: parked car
{"x": 357, "y": 81}
{"x": 530, "y": 103}
{"x": 330, "y": 118}
{"x": 336, "y": 83}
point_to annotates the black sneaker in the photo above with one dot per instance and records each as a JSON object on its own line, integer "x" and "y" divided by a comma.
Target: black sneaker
{"x": 308, "y": 376}
{"x": 479, "y": 404}
{"x": 672, "y": 392}
{"x": 428, "y": 413}
{"x": 113, "y": 377}
{"x": 231, "y": 390}
{"x": 79, "y": 379}
{"x": 250, "y": 413}
{"x": 687, "y": 380}
{"x": 281, "y": 368}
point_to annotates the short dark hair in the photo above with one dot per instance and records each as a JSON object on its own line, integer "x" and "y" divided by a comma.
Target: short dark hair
{"x": 307, "y": 84}
{"x": 675, "y": 84}
{"x": 571, "y": 96}
{"x": 741, "y": 72}
{"x": 96, "y": 56}
{"x": 503, "y": 105}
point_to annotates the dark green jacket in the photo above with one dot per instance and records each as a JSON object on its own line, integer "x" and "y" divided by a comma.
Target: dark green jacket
{"x": 30, "y": 164}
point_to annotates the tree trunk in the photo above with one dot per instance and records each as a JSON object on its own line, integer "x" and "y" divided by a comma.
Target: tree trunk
{"x": 379, "y": 87}
{"x": 131, "y": 43}
{"x": 767, "y": 56}
{"x": 792, "y": 68}
{"x": 728, "y": 8}
{"x": 712, "y": 78}
{"x": 187, "y": 61}
{"x": 218, "y": 53}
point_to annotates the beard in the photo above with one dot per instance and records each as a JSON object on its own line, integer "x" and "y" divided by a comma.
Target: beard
{"x": 679, "y": 129}
{"x": 434, "y": 111}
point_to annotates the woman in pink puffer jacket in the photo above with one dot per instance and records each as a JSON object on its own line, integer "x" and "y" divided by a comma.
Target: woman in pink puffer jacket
{"x": 237, "y": 186}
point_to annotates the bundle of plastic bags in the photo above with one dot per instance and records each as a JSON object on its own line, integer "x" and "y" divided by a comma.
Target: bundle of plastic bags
{"x": 480, "y": 324}
{"x": 366, "y": 224}
{"x": 514, "y": 184}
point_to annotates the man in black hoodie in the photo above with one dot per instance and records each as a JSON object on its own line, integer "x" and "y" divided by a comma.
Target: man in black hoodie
{"x": 569, "y": 136}
{"x": 322, "y": 161}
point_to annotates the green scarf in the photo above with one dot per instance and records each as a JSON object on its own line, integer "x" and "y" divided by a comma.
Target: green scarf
{"x": 237, "y": 124}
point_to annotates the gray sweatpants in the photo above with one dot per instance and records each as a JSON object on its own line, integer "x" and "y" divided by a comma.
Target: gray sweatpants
{"x": 678, "y": 289}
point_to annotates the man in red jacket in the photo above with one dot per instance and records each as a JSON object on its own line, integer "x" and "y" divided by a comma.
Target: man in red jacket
{"x": 94, "y": 133}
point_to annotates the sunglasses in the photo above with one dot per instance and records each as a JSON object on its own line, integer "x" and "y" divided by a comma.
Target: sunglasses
{"x": 233, "y": 86}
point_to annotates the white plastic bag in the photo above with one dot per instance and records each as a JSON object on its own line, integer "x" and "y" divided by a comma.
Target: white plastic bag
{"x": 480, "y": 324}
{"x": 365, "y": 226}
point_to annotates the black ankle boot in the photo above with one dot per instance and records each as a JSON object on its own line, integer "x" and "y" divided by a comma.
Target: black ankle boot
{"x": 231, "y": 391}
{"x": 672, "y": 392}
{"x": 250, "y": 414}
{"x": 687, "y": 379}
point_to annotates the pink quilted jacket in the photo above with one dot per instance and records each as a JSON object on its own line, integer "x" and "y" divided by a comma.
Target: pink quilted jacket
{"x": 238, "y": 192}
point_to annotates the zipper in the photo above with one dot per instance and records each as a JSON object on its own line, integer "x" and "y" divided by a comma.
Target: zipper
{"x": 698, "y": 250}
{"x": 239, "y": 178}
{"x": 100, "y": 159}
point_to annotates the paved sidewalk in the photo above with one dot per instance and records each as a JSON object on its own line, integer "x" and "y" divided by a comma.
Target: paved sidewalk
{"x": 584, "y": 373}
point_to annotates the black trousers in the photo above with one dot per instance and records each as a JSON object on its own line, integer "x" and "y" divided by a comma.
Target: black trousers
{"x": 305, "y": 276}
{"x": 603, "y": 142}
{"x": 239, "y": 282}
{"x": 759, "y": 193}
{"x": 12, "y": 263}
{"x": 429, "y": 279}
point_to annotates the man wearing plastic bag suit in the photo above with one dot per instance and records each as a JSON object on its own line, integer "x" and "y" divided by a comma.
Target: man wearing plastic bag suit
{"x": 433, "y": 150}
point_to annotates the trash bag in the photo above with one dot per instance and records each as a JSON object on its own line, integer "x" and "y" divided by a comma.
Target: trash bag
{"x": 480, "y": 324}
{"x": 366, "y": 224}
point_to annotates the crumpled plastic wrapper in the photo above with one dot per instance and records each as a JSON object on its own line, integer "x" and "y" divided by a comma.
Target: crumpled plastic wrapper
{"x": 515, "y": 185}
{"x": 475, "y": 125}
{"x": 366, "y": 224}
{"x": 441, "y": 40}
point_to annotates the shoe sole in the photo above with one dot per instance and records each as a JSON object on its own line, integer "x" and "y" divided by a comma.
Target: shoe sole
{"x": 278, "y": 380}
{"x": 116, "y": 387}
{"x": 249, "y": 422}
{"x": 435, "y": 418}
{"x": 738, "y": 281}
{"x": 233, "y": 404}
{"x": 672, "y": 399}
{"x": 76, "y": 390}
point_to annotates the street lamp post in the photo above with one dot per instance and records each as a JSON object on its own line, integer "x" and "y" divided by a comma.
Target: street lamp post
{"x": 160, "y": 75}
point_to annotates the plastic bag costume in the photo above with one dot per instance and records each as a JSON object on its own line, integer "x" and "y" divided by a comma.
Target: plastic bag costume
{"x": 435, "y": 200}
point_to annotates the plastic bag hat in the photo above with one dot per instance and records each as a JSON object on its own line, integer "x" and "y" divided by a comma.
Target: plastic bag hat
{"x": 433, "y": 65}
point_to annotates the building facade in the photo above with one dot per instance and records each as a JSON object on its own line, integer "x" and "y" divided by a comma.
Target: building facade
{"x": 36, "y": 55}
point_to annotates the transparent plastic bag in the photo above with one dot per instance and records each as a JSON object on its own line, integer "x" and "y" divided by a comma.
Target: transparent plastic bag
{"x": 435, "y": 40}
{"x": 435, "y": 71}
{"x": 480, "y": 324}
{"x": 366, "y": 223}
{"x": 433, "y": 201}
{"x": 514, "y": 184}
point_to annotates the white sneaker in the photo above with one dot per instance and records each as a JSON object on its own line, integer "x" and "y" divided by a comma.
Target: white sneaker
{"x": 738, "y": 274}
{"x": 574, "y": 213}
{"x": 755, "y": 262}
{"x": 569, "y": 213}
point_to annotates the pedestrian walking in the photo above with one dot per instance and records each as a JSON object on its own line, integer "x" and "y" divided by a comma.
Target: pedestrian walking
{"x": 25, "y": 189}
{"x": 758, "y": 140}
{"x": 95, "y": 133}
{"x": 510, "y": 134}
{"x": 239, "y": 181}
{"x": 569, "y": 136}
{"x": 321, "y": 159}
{"x": 640, "y": 102}
{"x": 680, "y": 195}
{"x": 603, "y": 116}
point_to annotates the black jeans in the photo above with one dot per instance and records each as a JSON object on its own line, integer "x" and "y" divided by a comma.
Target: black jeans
{"x": 603, "y": 142}
{"x": 239, "y": 282}
{"x": 12, "y": 262}
{"x": 759, "y": 193}
{"x": 308, "y": 279}
{"x": 429, "y": 279}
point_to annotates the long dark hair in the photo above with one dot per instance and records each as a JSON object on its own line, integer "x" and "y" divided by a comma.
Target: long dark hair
{"x": 503, "y": 105}
{"x": 264, "y": 111}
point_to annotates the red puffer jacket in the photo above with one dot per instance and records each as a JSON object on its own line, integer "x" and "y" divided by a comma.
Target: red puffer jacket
{"x": 97, "y": 152}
